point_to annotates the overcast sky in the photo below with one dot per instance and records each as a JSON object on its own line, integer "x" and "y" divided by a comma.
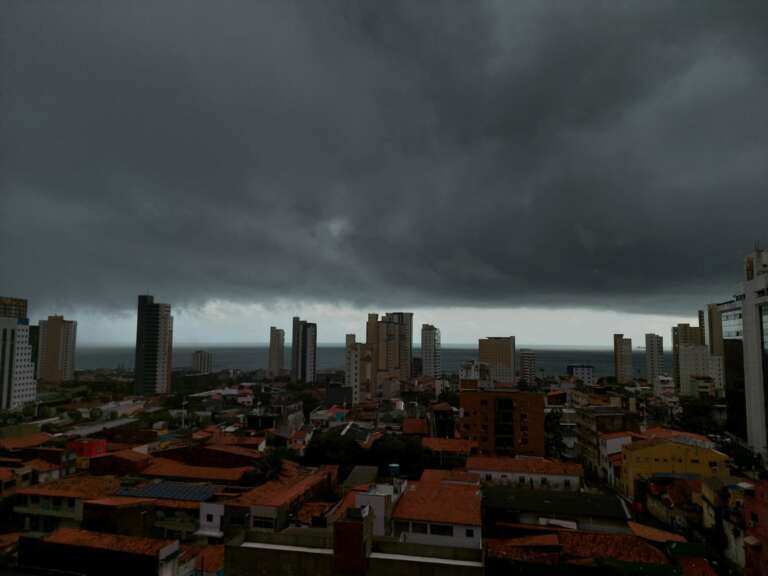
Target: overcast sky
{"x": 554, "y": 170}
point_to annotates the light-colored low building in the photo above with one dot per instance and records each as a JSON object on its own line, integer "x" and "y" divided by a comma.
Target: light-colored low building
{"x": 527, "y": 472}
{"x": 441, "y": 509}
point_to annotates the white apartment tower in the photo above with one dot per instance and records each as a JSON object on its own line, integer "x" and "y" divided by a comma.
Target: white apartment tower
{"x": 202, "y": 362}
{"x": 430, "y": 351}
{"x": 755, "y": 339}
{"x": 528, "y": 366}
{"x": 654, "y": 358}
{"x": 701, "y": 372}
{"x": 17, "y": 370}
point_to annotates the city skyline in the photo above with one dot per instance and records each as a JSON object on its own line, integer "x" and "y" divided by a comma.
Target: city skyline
{"x": 486, "y": 173}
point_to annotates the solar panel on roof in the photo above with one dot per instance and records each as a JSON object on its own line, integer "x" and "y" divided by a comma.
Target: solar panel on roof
{"x": 170, "y": 490}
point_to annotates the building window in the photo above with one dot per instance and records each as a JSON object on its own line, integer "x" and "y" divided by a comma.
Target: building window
{"x": 400, "y": 527}
{"x": 544, "y": 481}
{"x": 209, "y": 517}
{"x": 418, "y": 527}
{"x": 567, "y": 483}
{"x": 441, "y": 529}
{"x": 469, "y": 533}
{"x": 488, "y": 477}
{"x": 71, "y": 502}
{"x": 694, "y": 461}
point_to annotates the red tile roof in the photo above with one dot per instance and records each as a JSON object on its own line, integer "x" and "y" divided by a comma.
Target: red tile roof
{"x": 88, "y": 539}
{"x": 431, "y": 475}
{"x": 576, "y": 547}
{"x": 415, "y": 426}
{"x": 669, "y": 433}
{"x": 166, "y": 468}
{"x": 449, "y": 445}
{"x": 312, "y": 509}
{"x": 654, "y": 534}
{"x": 623, "y": 434}
{"x": 80, "y": 486}
{"x": 7, "y": 474}
{"x": 25, "y": 441}
{"x": 211, "y": 559}
{"x": 130, "y": 455}
{"x": 524, "y": 465}
{"x": 696, "y": 567}
{"x": 39, "y": 465}
{"x": 8, "y": 541}
{"x": 293, "y": 483}
{"x": 443, "y": 502}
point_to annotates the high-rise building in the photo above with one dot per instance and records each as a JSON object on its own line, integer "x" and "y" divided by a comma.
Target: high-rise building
{"x": 528, "y": 366}
{"x": 202, "y": 361}
{"x": 731, "y": 345}
{"x": 713, "y": 330}
{"x": 56, "y": 350}
{"x": 582, "y": 372}
{"x": 654, "y": 358}
{"x": 34, "y": 342}
{"x": 276, "y": 352}
{"x": 503, "y": 421}
{"x": 701, "y": 373}
{"x": 390, "y": 340}
{"x": 303, "y": 351}
{"x": 755, "y": 342}
{"x": 622, "y": 359}
{"x": 358, "y": 373}
{"x": 17, "y": 372}
{"x": 683, "y": 334}
{"x": 13, "y": 307}
{"x": 498, "y": 353}
{"x": 154, "y": 347}
{"x": 430, "y": 351}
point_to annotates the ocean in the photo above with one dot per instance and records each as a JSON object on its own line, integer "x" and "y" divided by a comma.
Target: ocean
{"x": 549, "y": 361}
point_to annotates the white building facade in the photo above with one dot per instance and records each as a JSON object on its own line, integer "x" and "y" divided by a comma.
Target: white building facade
{"x": 17, "y": 371}
{"x": 755, "y": 339}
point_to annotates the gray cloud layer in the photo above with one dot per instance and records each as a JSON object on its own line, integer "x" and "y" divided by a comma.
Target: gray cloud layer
{"x": 525, "y": 153}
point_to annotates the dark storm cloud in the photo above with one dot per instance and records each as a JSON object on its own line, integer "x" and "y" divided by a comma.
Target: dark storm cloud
{"x": 525, "y": 153}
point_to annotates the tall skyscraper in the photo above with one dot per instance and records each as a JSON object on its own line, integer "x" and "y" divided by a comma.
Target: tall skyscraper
{"x": 622, "y": 359}
{"x": 17, "y": 371}
{"x": 202, "y": 362}
{"x": 732, "y": 351}
{"x": 304, "y": 351}
{"x": 13, "y": 307}
{"x": 683, "y": 334}
{"x": 498, "y": 353}
{"x": 391, "y": 342}
{"x": 528, "y": 366}
{"x": 154, "y": 347}
{"x": 56, "y": 350}
{"x": 358, "y": 373}
{"x": 654, "y": 358}
{"x": 755, "y": 342}
{"x": 431, "y": 364}
{"x": 276, "y": 352}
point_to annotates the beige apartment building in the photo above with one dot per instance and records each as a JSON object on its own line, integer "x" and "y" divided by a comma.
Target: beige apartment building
{"x": 56, "y": 350}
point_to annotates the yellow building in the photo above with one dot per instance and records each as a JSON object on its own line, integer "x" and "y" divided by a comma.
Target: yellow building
{"x": 641, "y": 460}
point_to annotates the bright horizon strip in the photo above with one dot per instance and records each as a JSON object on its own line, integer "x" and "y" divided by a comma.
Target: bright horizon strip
{"x": 223, "y": 323}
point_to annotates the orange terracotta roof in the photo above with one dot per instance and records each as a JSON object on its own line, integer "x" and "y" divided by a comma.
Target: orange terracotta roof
{"x": 444, "y": 502}
{"x": 348, "y": 501}
{"x": 118, "y": 501}
{"x": 654, "y": 534}
{"x": 312, "y": 509}
{"x": 669, "y": 433}
{"x": 696, "y": 566}
{"x": 415, "y": 426}
{"x": 237, "y": 450}
{"x": 130, "y": 455}
{"x": 39, "y": 465}
{"x": 524, "y": 465}
{"x": 119, "y": 543}
{"x": 449, "y": 445}
{"x": 622, "y": 547}
{"x": 292, "y": 484}
{"x": 211, "y": 559}
{"x": 25, "y": 441}
{"x": 431, "y": 475}
{"x": 81, "y": 486}
{"x": 166, "y": 468}
{"x": 7, "y": 474}
{"x": 534, "y": 540}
